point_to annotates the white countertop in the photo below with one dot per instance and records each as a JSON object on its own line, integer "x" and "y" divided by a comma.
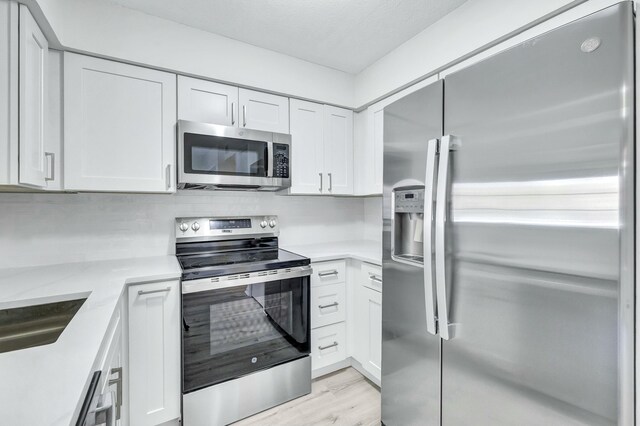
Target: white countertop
{"x": 45, "y": 384}
{"x": 363, "y": 250}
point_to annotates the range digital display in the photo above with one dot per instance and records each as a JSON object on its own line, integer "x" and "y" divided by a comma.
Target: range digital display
{"x": 408, "y": 196}
{"x": 230, "y": 224}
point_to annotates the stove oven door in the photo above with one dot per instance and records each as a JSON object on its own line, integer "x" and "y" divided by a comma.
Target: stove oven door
{"x": 233, "y": 331}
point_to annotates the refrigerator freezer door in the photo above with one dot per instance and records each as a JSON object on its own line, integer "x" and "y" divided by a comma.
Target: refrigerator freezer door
{"x": 410, "y": 355}
{"x": 541, "y": 230}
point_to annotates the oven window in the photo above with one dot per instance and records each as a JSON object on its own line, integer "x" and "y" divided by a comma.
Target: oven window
{"x": 216, "y": 155}
{"x": 235, "y": 331}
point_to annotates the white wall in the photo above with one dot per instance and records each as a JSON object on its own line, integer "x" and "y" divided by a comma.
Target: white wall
{"x": 37, "y": 229}
{"x": 372, "y": 220}
{"x": 469, "y": 27}
{"x": 110, "y": 30}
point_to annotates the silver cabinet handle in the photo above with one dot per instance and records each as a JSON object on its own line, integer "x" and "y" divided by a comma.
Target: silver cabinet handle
{"x": 51, "y": 171}
{"x": 244, "y": 116}
{"x": 427, "y": 229}
{"x": 327, "y": 273}
{"x": 374, "y": 277}
{"x": 322, "y": 348}
{"x": 161, "y": 290}
{"x": 168, "y": 176}
{"x": 320, "y": 182}
{"x": 233, "y": 118}
{"x": 331, "y": 305}
{"x": 330, "y": 181}
{"x": 445, "y": 328}
{"x": 118, "y": 383}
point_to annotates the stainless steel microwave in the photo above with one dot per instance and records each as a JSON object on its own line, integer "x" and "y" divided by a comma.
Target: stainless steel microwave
{"x": 222, "y": 157}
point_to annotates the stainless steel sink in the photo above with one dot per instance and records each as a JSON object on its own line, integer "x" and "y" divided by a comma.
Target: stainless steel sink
{"x": 35, "y": 325}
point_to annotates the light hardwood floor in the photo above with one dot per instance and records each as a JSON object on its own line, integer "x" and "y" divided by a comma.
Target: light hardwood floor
{"x": 343, "y": 398}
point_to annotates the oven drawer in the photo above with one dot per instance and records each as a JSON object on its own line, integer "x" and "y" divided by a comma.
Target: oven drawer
{"x": 331, "y": 272}
{"x": 328, "y": 345}
{"x": 328, "y": 305}
{"x": 371, "y": 276}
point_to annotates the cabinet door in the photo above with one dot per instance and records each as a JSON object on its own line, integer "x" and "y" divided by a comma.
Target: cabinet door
{"x": 119, "y": 126}
{"x": 53, "y": 129}
{"x": 307, "y": 123}
{"x": 338, "y": 150}
{"x": 264, "y": 111}
{"x": 372, "y": 331}
{"x": 33, "y": 94}
{"x": 207, "y": 102}
{"x": 154, "y": 353}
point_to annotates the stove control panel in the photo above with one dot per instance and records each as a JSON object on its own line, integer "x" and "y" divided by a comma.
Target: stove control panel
{"x": 217, "y": 228}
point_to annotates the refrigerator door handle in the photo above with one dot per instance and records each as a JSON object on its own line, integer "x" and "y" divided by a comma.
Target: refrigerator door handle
{"x": 429, "y": 186}
{"x": 446, "y": 329}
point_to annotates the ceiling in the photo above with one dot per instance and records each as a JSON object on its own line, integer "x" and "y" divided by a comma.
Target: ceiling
{"x": 347, "y": 35}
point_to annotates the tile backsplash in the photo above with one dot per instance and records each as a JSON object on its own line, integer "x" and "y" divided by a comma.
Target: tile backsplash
{"x": 38, "y": 229}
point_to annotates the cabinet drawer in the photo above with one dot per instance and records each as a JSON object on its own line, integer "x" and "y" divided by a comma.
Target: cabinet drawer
{"x": 371, "y": 276}
{"x": 328, "y": 345}
{"x": 328, "y": 305}
{"x": 332, "y": 272}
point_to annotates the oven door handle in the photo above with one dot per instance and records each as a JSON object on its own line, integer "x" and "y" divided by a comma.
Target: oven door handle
{"x": 236, "y": 280}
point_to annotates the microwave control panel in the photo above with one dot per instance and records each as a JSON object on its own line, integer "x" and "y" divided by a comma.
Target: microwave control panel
{"x": 281, "y": 160}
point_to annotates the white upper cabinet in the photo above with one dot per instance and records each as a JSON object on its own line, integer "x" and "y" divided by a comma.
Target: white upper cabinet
{"x": 338, "y": 150}
{"x": 307, "y": 147}
{"x": 207, "y": 102}
{"x": 33, "y": 94}
{"x": 370, "y": 142}
{"x": 322, "y": 149}
{"x": 263, "y": 111}
{"x": 53, "y": 128}
{"x": 119, "y": 127}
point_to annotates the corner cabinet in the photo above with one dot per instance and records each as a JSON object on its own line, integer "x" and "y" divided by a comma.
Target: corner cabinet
{"x": 154, "y": 353}
{"x": 322, "y": 149}
{"x": 33, "y": 94}
{"x": 119, "y": 127}
{"x": 26, "y": 159}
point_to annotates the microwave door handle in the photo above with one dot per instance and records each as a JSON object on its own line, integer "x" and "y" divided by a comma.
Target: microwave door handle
{"x": 429, "y": 186}
{"x": 269, "y": 159}
{"x": 445, "y": 328}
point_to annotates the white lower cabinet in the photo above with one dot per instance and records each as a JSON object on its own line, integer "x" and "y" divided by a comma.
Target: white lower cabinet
{"x": 154, "y": 353}
{"x": 371, "y": 331}
{"x": 328, "y": 345}
{"x": 328, "y": 304}
{"x": 368, "y": 320}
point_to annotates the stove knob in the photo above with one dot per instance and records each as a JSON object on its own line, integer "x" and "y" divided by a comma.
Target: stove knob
{"x": 184, "y": 227}
{"x": 195, "y": 226}
{"x": 263, "y": 224}
{"x": 272, "y": 223}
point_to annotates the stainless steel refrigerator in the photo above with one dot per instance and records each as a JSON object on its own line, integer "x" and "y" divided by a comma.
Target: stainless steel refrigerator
{"x": 508, "y": 233}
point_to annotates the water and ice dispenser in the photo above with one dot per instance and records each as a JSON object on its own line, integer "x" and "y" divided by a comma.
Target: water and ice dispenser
{"x": 407, "y": 228}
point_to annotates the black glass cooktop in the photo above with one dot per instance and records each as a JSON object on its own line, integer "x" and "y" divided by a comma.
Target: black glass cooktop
{"x": 213, "y": 259}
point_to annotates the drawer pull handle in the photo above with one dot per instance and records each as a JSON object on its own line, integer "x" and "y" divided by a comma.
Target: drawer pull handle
{"x": 374, "y": 277}
{"x": 322, "y": 348}
{"x": 327, "y": 273}
{"x": 328, "y": 306}
{"x": 162, "y": 290}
